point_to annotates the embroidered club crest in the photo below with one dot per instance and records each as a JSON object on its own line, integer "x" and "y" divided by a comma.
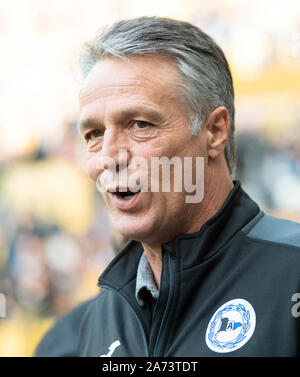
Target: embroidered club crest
{"x": 231, "y": 326}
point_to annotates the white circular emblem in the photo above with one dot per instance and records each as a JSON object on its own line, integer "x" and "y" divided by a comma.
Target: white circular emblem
{"x": 231, "y": 326}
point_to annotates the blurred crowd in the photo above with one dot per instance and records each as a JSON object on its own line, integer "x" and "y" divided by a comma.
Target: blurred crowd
{"x": 46, "y": 268}
{"x": 270, "y": 171}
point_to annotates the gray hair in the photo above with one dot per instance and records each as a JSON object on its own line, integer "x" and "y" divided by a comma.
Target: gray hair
{"x": 206, "y": 78}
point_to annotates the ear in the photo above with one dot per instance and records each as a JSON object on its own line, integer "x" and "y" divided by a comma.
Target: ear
{"x": 217, "y": 125}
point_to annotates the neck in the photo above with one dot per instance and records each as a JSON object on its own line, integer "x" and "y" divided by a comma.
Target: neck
{"x": 154, "y": 257}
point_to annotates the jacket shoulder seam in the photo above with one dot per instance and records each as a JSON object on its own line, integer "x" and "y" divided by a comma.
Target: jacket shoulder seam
{"x": 270, "y": 242}
{"x": 273, "y": 229}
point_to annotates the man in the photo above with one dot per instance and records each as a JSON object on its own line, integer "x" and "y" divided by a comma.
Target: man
{"x": 204, "y": 277}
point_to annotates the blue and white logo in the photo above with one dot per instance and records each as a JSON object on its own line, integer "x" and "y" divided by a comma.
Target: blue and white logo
{"x": 231, "y": 326}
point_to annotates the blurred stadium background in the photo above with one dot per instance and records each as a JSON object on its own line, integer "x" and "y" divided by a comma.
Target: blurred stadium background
{"x": 55, "y": 236}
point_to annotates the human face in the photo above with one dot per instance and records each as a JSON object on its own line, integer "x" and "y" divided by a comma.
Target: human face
{"x": 130, "y": 105}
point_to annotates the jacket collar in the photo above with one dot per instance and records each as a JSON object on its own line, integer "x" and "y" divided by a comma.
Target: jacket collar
{"x": 193, "y": 248}
{"x": 145, "y": 281}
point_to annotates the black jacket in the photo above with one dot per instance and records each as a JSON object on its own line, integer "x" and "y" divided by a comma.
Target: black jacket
{"x": 240, "y": 254}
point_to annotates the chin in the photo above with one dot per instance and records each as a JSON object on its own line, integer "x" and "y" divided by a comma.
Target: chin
{"x": 135, "y": 228}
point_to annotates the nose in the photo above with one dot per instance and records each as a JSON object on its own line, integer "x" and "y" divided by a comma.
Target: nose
{"x": 114, "y": 155}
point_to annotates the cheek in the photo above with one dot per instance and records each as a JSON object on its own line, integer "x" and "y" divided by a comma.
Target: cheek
{"x": 91, "y": 166}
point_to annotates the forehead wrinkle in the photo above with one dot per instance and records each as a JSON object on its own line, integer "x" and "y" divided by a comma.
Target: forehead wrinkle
{"x": 118, "y": 94}
{"x": 99, "y": 92}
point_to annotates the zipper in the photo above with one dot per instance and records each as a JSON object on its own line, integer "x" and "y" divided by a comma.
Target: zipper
{"x": 163, "y": 328}
{"x": 142, "y": 328}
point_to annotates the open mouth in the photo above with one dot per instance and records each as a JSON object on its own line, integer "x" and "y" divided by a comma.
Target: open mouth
{"x": 125, "y": 199}
{"x": 126, "y": 195}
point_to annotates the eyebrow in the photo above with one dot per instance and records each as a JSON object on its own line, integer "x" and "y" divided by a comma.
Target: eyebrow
{"x": 87, "y": 123}
{"x": 152, "y": 115}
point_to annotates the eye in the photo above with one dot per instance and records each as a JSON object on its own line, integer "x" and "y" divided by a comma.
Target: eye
{"x": 140, "y": 124}
{"x": 92, "y": 135}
